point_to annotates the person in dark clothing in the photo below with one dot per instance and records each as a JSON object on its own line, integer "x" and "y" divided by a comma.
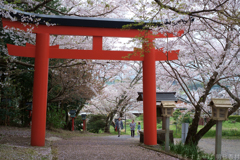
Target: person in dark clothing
{"x": 132, "y": 126}
{"x": 119, "y": 126}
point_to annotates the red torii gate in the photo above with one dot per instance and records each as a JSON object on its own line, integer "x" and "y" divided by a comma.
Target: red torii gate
{"x": 97, "y": 28}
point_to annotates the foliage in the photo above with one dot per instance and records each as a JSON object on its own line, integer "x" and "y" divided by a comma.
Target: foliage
{"x": 96, "y": 123}
{"x": 55, "y": 118}
{"x": 186, "y": 118}
{"x": 229, "y": 130}
{"x": 140, "y": 117}
{"x": 190, "y": 151}
{"x": 235, "y": 118}
{"x": 11, "y": 115}
{"x": 17, "y": 73}
{"x": 78, "y": 123}
{"x": 119, "y": 97}
{"x": 176, "y": 114}
{"x": 209, "y": 51}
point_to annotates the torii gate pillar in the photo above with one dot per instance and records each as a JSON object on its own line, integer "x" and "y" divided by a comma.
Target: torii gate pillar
{"x": 98, "y": 29}
{"x": 40, "y": 87}
{"x": 149, "y": 90}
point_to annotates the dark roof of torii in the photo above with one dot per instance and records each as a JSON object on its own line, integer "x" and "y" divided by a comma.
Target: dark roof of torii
{"x": 86, "y": 21}
{"x": 160, "y": 96}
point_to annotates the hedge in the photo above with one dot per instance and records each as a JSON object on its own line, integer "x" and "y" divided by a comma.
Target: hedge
{"x": 234, "y": 117}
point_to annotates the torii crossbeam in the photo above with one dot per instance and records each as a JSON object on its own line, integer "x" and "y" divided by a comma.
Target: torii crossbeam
{"x": 98, "y": 28}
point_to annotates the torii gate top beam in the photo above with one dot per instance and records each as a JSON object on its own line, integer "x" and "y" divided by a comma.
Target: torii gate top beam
{"x": 96, "y": 27}
{"x": 86, "y": 26}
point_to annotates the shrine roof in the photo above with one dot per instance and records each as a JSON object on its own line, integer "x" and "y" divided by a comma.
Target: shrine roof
{"x": 85, "y": 21}
{"x": 160, "y": 96}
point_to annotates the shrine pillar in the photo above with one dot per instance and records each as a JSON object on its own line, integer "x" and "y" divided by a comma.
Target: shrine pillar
{"x": 40, "y": 87}
{"x": 149, "y": 92}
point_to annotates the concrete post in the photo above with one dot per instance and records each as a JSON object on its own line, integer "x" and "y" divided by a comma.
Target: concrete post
{"x": 218, "y": 140}
{"x": 184, "y": 131}
{"x": 125, "y": 123}
{"x": 167, "y": 148}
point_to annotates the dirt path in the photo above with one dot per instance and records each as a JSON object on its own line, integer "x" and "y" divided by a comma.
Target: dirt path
{"x": 107, "y": 147}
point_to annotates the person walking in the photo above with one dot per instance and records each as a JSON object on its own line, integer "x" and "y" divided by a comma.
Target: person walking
{"x": 132, "y": 126}
{"x": 119, "y": 126}
{"x": 139, "y": 128}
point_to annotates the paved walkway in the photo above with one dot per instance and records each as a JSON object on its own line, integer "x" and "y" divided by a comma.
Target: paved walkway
{"x": 108, "y": 147}
{"x": 230, "y": 147}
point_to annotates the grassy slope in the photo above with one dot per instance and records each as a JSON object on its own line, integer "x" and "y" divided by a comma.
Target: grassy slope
{"x": 230, "y": 130}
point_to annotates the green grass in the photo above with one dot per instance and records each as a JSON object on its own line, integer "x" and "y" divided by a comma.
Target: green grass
{"x": 229, "y": 130}
{"x": 234, "y": 118}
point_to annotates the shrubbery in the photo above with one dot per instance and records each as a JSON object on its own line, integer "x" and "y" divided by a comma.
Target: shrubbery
{"x": 78, "y": 123}
{"x": 190, "y": 151}
{"x": 186, "y": 118}
{"x": 234, "y": 118}
{"x": 96, "y": 123}
{"x": 55, "y": 119}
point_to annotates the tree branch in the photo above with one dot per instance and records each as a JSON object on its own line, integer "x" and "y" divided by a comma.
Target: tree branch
{"x": 38, "y": 6}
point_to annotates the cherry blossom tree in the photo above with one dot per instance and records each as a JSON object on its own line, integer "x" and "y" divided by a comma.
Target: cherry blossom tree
{"x": 209, "y": 51}
{"x": 119, "y": 97}
{"x": 82, "y": 75}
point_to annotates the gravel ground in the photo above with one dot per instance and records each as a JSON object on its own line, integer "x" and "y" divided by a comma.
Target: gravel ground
{"x": 106, "y": 148}
{"x": 15, "y": 144}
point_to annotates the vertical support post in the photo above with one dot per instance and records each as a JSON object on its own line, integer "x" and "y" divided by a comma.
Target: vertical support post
{"x": 125, "y": 123}
{"x": 218, "y": 140}
{"x": 167, "y": 135}
{"x": 40, "y": 86}
{"x": 184, "y": 131}
{"x": 30, "y": 118}
{"x": 149, "y": 92}
{"x": 72, "y": 124}
{"x": 84, "y": 125}
{"x": 97, "y": 43}
{"x": 163, "y": 123}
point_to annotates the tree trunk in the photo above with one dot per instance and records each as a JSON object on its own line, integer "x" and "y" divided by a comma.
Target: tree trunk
{"x": 204, "y": 130}
{"x": 66, "y": 117}
{"x": 109, "y": 121}
{"x": 192, "y": 130}
{"x": 107, "y": 127}
{"x": 194, "y": 138}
